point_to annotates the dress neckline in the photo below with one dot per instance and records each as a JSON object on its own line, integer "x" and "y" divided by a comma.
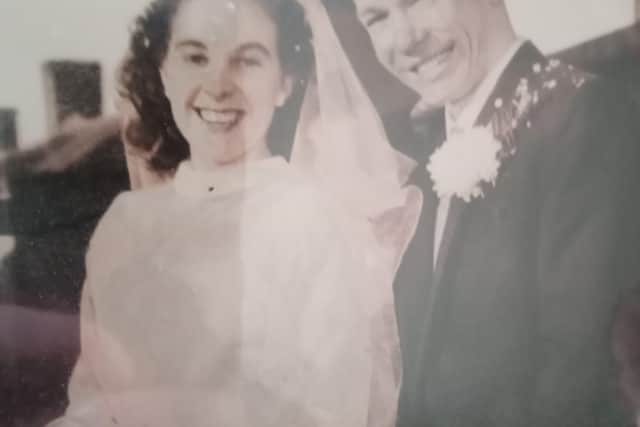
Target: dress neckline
{"x": 227, "y": 179}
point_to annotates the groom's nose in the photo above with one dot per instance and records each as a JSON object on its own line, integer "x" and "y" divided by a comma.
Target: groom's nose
{"x": 406, "y": 35}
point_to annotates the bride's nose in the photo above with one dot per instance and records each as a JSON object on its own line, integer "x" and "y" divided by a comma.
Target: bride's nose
{"x": 219, "y": 82}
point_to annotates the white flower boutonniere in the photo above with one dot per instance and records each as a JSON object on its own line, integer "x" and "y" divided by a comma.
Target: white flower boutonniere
{"x": 464, "y": 162}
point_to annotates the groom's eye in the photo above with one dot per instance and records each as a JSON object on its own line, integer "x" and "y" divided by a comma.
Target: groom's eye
{"x": 409, "y": 3}
{"x": 374, "y": 18}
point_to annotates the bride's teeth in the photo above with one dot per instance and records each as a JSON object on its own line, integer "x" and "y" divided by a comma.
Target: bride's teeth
{"x": 218, "y": 117}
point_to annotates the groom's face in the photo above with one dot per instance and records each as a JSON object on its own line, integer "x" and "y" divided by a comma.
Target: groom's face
{"x": 436, "y": 47}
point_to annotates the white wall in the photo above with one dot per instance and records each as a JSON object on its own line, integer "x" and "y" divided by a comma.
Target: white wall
{"x": 556, "y": 24}
{"x": 34, "y": 31}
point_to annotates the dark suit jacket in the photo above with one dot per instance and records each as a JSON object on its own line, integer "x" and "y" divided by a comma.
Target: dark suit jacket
{"x": 513, "y": 326}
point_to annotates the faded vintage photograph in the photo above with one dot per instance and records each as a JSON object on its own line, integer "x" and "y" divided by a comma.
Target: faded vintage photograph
{"x": 320, "y": 213}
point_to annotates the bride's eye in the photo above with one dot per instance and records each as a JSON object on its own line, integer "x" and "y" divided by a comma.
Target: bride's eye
{"x": 247, "y": 61}
{"x": 198, "y": 59}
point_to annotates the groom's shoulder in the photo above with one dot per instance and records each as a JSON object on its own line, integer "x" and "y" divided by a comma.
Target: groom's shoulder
{"x": 582, "y": 90}
{"x": 572, "y": 99}
{"x": 551, "y": 89}
{"x": 587, "y": 123}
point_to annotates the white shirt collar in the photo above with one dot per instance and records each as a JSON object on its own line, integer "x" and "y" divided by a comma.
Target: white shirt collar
{"x": 469, "y": 114}
{"x": 225, "y": 180}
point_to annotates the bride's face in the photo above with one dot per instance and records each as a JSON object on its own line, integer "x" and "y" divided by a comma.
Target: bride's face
{"x": 223, "y": 78}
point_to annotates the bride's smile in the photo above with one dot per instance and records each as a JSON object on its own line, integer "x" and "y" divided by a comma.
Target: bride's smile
{"x": 220, "y": 120}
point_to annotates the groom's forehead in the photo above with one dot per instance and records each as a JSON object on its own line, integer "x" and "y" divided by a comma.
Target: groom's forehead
{"x": 364, "y": 5}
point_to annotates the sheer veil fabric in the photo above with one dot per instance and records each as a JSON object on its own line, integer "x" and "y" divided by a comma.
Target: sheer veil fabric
{"x": 341, "y": 142}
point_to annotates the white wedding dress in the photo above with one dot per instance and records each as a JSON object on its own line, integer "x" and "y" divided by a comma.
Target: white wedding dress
{"x": 242, "y": 297}
{"x": 257, "y": 295}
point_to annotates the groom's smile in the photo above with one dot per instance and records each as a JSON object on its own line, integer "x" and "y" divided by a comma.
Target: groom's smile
{"x": 431, "y": 65}
{"x": 439, "y": 48}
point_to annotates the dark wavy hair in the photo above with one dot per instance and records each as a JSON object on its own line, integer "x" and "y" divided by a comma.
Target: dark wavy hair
{"x": 156, "y": 131}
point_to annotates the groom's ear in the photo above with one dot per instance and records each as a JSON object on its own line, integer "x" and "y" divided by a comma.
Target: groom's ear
{"x": 285, "y": 91}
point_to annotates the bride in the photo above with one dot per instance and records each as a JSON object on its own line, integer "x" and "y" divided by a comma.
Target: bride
{"x": 246, "y": 291}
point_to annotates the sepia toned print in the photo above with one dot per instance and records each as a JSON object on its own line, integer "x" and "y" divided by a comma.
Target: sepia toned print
{"x": 320, "y": 213}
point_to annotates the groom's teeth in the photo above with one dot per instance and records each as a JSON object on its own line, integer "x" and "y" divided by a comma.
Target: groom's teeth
{"x": 434, "y": 60}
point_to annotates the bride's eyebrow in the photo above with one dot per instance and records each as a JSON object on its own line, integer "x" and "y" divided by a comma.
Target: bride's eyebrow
{"x": 190, "y": 43}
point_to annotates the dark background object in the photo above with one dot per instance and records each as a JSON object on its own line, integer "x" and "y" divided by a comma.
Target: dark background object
{"x": 52, "y": 216}
{"x": 74, "y": 87}
{"x": 52, "y": 212}
{"x": 8, "y": 142}
{"x": 8, "y": 129}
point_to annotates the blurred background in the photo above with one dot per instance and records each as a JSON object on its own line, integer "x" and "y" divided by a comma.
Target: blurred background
{"x": 62, "y": 161}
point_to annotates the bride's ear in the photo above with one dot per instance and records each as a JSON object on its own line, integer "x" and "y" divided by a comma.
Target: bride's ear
{"x": 285, "y": 91}
{"x": 163, "y": 77}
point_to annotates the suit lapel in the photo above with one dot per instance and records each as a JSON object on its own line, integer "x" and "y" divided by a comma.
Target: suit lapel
{"x": 437, "y": 135}
{"x": 431, "y": 131}
{"x": 414, "y": 279}
{"x": 454, "y": 216}
{"x": 519, "y": 66}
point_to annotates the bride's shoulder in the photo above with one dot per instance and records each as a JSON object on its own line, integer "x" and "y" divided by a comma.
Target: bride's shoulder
{"x": 132, "y": 205}
{"x": 132, "y": 211}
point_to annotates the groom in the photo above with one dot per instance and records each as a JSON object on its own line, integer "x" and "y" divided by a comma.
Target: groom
{"x": 529, "y": 230}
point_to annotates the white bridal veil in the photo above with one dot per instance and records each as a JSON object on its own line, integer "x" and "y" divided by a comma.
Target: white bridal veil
{"x": 341, "y": 142}
{"x": 340, "y": 138}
